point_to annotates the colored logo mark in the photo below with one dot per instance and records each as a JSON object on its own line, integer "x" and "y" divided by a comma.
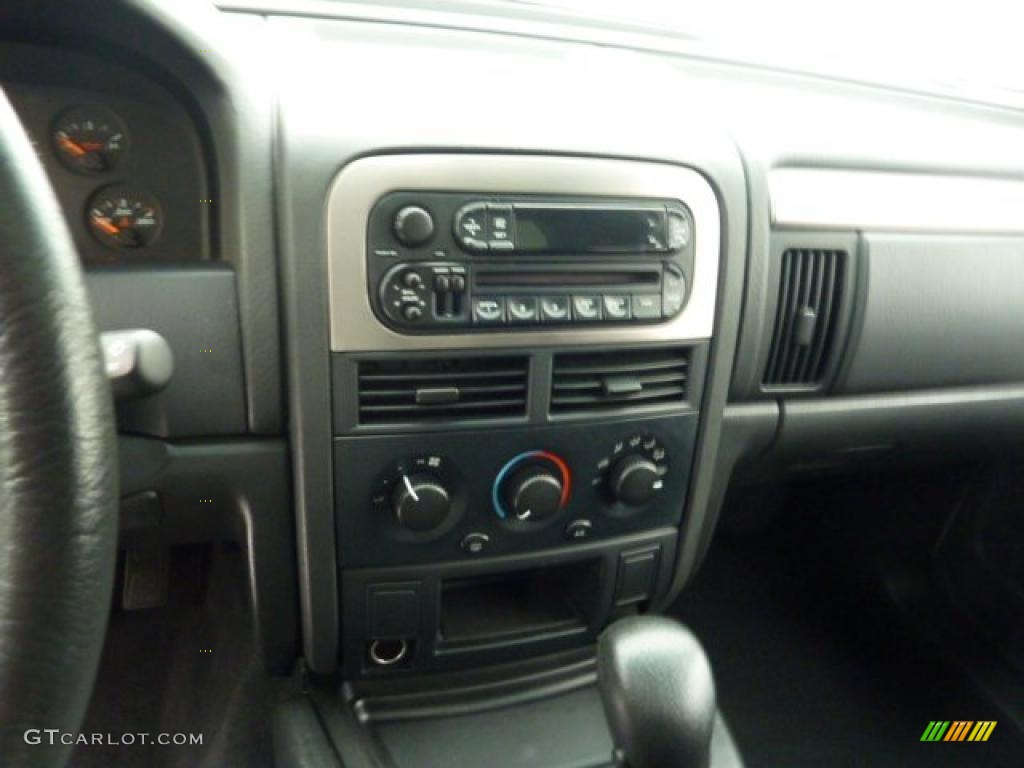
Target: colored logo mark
{"x": 958, "y": 730}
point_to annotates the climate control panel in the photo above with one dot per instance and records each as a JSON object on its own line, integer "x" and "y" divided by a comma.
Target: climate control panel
{"x": 522, "y": 489}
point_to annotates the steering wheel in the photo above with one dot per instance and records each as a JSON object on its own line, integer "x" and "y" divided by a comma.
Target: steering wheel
{"x": 58, "y": 470}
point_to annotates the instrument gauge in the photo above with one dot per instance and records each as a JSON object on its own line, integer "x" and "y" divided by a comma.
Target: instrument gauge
{"x": 124, "y": 218}
{"x": 89, "y": 139}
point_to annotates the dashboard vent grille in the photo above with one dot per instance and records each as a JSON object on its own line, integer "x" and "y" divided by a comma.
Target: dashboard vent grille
{"x": 418, "y": 390}
{"x": 810, "y": 294}
{"x": 620, "y": 379}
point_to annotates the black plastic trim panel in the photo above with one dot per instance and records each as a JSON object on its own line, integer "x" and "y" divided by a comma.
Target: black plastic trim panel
{"x": 236, "y": 490}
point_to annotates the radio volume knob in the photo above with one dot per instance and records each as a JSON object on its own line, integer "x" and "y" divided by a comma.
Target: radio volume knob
{"x": 420, "y": 502}
{"x": 414, "y": 225}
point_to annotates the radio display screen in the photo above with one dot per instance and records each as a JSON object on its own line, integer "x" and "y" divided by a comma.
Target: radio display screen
{"x": 589, "y": 230}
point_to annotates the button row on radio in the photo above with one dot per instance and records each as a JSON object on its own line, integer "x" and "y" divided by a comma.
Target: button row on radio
{"x": 516, "y": 310}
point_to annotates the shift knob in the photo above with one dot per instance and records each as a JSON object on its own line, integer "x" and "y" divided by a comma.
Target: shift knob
{"x": 658, "y": 693}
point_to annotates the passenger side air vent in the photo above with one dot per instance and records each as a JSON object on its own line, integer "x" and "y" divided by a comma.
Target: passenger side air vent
{"x": 403, "y": 391}
{"x": 621, "y": 379}
{"x": 811, "y": 290}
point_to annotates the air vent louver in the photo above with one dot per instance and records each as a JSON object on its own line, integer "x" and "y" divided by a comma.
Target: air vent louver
{"x": 810, "y": 294}
{"x": 403, "y": 391}
{"x": 622, "y": 379}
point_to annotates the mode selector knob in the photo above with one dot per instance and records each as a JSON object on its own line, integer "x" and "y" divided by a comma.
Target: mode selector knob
{"x": 534, "y": 493}
{"x": 414, "y": 225}
{"x": 634, "y": 480}
{"x": 421, "y": 503}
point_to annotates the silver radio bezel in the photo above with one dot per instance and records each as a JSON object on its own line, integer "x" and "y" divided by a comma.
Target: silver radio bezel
{"x": 358, "y": 186}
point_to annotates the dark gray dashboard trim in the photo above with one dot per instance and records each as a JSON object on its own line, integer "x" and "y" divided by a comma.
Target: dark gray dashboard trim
{"x": 247, "y": 482}
{"x": 825, "y": 433}
{"x": 748, "y": 431}
{"x": 309, "y": 156}
{"x": 190, "y": 48}
{"x": 944, "y": 311}
{"x": 761, "y": 303}
{"x": 306, "y": 175}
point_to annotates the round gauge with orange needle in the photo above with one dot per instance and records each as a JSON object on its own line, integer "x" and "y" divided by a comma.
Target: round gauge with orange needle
{"x": 89, "y": 139}
{"x": 124, "y": 217}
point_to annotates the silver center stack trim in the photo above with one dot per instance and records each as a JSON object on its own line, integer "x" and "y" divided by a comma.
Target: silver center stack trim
{"x": 821, "y": 198}
{"x": 358, "y": 186}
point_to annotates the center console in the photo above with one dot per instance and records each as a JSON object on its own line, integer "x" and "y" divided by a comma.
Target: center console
{"x": 519, "y": 346}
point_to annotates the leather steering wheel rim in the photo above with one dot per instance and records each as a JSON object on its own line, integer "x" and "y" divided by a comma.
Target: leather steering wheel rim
{"x": 58, "y": 469}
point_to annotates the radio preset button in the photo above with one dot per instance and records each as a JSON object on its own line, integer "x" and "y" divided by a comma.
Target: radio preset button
{"x": 646, "y": 306}
{"x": 501, "y": 245}
{"x": 586, "y": 308}
{"x": 554, "y": 309}
{"x": 522, "y": 309}
{"x": 488, "y": 310}
{"x": 616, "y": 307}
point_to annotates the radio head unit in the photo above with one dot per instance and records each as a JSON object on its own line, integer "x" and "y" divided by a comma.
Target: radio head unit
{"x": 440, "y": 261}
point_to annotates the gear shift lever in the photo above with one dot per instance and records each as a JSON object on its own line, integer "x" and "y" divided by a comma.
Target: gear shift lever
{"x": 658, "y": 693}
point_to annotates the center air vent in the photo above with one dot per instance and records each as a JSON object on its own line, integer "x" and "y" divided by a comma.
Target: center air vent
{"x": 403, "y": 391}
{"x": 621, "y": 379}
{"x": 811, "y": 288}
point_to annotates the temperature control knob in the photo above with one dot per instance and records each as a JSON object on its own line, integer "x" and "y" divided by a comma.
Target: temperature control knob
{"x": 534, "y": 493}
{"x": 414, "y": 225}
{"x": 531, "y": 490}
{"x": 634, "y": 480}
{"x": 420, "y": 502}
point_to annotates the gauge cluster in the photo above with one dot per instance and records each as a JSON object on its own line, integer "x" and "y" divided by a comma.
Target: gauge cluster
{"x": 122, "y": 154}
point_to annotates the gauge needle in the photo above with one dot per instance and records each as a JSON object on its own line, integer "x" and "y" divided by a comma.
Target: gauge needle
{"x": 71, "y": 146}
{"x": 106, "y": 225}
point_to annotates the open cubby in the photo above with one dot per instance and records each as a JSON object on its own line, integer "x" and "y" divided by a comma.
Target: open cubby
{"x": 492, "y": 609}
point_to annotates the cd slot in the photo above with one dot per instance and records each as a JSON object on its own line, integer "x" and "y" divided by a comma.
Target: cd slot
{"x": 561, "y": 280}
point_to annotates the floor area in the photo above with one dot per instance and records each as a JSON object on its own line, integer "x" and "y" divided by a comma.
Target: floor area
{"x": 809, "y": 673}
{"x": 189, "y": 667}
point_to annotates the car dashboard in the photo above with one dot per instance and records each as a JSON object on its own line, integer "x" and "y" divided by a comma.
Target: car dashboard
{"x": 468, "y": 356}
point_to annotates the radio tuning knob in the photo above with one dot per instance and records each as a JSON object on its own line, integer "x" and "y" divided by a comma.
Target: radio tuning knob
{"x": 414, "y": 225}
{"x": 420, "y": 502}
{"x": 634, "y": 480}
